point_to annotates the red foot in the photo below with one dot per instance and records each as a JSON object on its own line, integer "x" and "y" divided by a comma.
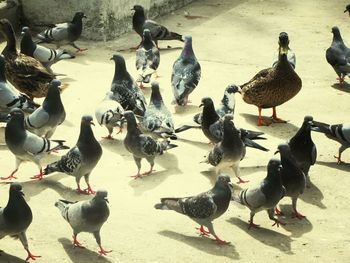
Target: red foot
{"x": 278, "y": 223}
{"x": 89, "y": 191}
{"x": 202, "y": 231}
{"x": 277, "y": 120}
{"x": 241, "y": 181}
{"x": 141, "y": 86}
{"x": 148, "y": 172}
{"x": 157, "y": 76}
{"x": 109, "y": 137}
{"x": 296, "y": 214}
{"x": 262, "y": 122}
{"x": 39, "y": 176}
{"x": 341, "y": 80}
{"x": 31, "y": 256}
{"x": 138, "y": 175}
{"x": 10, "y": 177}
{"x": 278, "y": 212}
{"x": 120, "y": 131}
{"x": 81, "y": 50}
{"x": 252, "y": 225}
{"x": 103, "y": 252}
{"x": 76, "y": 243}
{"x": 220, "y": 241}
{"x": 339, "y": 161}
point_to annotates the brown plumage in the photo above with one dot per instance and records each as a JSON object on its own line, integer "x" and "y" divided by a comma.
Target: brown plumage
{"x": 272, "y": 87}
{"x": 26, "y": 73}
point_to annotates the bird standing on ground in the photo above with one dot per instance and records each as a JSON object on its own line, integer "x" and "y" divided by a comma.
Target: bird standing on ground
{"x": 147, "y": 58}
{"x": 82, "y": 158}
{"x": 27, "y": 146}
{"x": 44, "y": 120}
{"x": 203, "y": 208}
{"x": 272, "y": 87}
{"x": 186, "y": 74}
{"x": 86, "y": 216}
{"x": 347, "y": 9}
{"x": 16, "y": 217}
{"x": 64, "y": 33}
{"x": 284, "y": 42}
{"x": 141, "y": 145}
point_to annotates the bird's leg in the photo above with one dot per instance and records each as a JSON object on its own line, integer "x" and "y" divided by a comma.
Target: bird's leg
{"x": 295, "y": 213}
{"x": 274, "y": 117}
{"x": 251, "y": 222}
{"x": 149, "y": 171}
{"x": 278, "y": 212}
{"x": 120, "y": 130}
{"x": 97, "y": 236}
{"x": 76, "y": 243}
{"x": 108, "y": 137}
{"x": 261, "y": 121}
{"x": 202, "y": 231}
{"x": 237, "y": 173}
{"x": 278, "y": 222}
{"x": 138, "y": 164}
{"x": 341, "y": 78}
{"x": 79, "y": 190}
{"x": 88, "y": 190}
{"x": 11, "y": 176}
{"x": 31, "y": 256}
{"x": 103, "y": 252}
{"x": 38, "y": 176}
{"x": 217, "y": 239}
{"x": 141, "y": 85}
{"x": 78, "y": 49}
{"x": 23, "y": 238}
{"x": 187, "y": 101}
{"x": 339, "y": 161}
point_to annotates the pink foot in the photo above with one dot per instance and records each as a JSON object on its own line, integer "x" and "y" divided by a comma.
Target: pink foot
{"x": 241, "y": 181}
{"x": 76, "y": 243}
{"x": 202, "y": 231}
{"x": 31, "y": 256}
{"x": 262, "y": 122}
{"x": 10, "y": 177}
{"x": 252, "y": 225}
{"x": 278, "y": 223}
{"x": 109, "y": 137}
{"x": 278, "y": 212}
{"x": 220, "y": 241}
{"x": 39, "y": 176}
{"x": 81, "y": 50}
{"x": 296, "y": 214}
{"x": 89, "y": 191}
{"x": 103, "y": 252}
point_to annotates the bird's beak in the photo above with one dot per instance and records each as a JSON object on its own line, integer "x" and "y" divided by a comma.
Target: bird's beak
{"x": 22, "y": 193}
{"x": 201, "y": 105}
{"x": 92, "y": 123}
{"x": 106, "y": 200}
{"x": 276, "y": 152}
{"x": 345, "y": 11}
{"x": 111, "y": 58}
{"x": 84, "y": 16}
{"x": 133, "y": 9}
{"x": 230, "y": 185}
{"x": 22, "y": 33}
{"x": 240, "y": 92}
{"x": 8, "y": 117}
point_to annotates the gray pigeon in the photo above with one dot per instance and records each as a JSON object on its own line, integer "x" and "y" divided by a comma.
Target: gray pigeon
{"x": 86, "y": 216}
{"x": 226, "y": 106}
{"x": 347, "y": 9}
{"x": 158, "y": 32}
{"x": 293, "y": 178}
{"x": 141, "y": 145}
{"x": 64, "y": 33}
{"x": 158, "y": 119}
{"x": 27, "y": 146}
{"x": 44, "y": 120}
{"x": 147, "y": 58}
{"x": 16, "y": 217}
{"x": 266, "y": 196}
{"x": 336, "y": 132}
{"x": 125, "y": 89}
{"x": 203, "y": 208}
{"x": 109, "y": 114}
{"x": 82, "y": 158}
{"x": 47, "y": 56}
{"x": 302, "y": 146}
{"x": 284, "y": 43}
{"x": 230, "y": 151}
{"x": 186, "y": 74}
{"x": 338, "y": 55}
{"x": 10, "y": 98}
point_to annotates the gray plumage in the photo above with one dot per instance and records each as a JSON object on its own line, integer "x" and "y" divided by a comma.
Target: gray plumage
{"x": 158, "y": 119}
{"x": 141, "y": 145}
{"x": 47, "y": 56}
{"x": 16, "y": 217}
{"x": 27, "y": 146}
{"x": 64, "y": 33}
{"x": 125, "y": 89}
{"x": 44, "y": 120}
{"x": 338, "y": 55}
{"x": 336, "y": 132}
{"x": 186, "y": 74}
{"x": 293, "y": 178}
{"x": 203, "y": 208}
{"x": 109, "y": 113}
{"x": 82, "y": 158}
{"x": 302, "y": 146}
{"x": 10, "y": 98}
{"x": 266, "y": 196}
{"x": 284, "y": 42}
{"x": 86, "y": 216}
{"x": 147, "y": 58}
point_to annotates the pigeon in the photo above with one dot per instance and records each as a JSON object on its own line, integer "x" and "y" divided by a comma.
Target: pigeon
{"x": 158, "y": 119}
{"x": 27, "y": 146}
{"x": 284, "y": 42}
{"x": 147, "y": 58}
{"x": 226, "y": 106}
{"x": 230, "y": 151}
{"x": 64, "y": 33}
{"x": 10, "y": 98}
{"x": 82, "y": 158}
{"x": 302, "y": 146}
{"x": 16, "y": 217}
{"x": 158, "y": 32}
{"x": 186, "y": 74}
{"x": 141, "y": 145}
{"x": 203, "y": 208}
{"x": 125, "y": 89}
{"x": 44, "y": 120}
{"x": 264, "y": 197}
{"x": 47, "y": 56}
{"x": 86, "y": 216}
{"x": 293, "y": 178}
{"x": 336, "y": 132}
{"x": 109, "y": 113}
{"x": 338, "y": 55}
{"x": 347, "y": 9}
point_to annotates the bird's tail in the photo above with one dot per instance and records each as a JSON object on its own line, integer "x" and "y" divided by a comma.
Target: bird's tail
{"x": 187, "y": 127}
{"x": 252, "y": 144}
{"x": 175, "y": 36}
{"x": 252, "y": 135}
{"x": 197, "y": 118}
{"x": 59, "y": 145}
{"x": 169, "y": 204}
{"x": 63, "y": 205}
{"x": 164, "y": 145}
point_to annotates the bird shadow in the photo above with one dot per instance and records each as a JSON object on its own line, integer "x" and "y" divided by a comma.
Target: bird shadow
{"x": 4, "y": 257}
{"x": 203, "y": 145}
{"x": 265, "y": 236}
{"x": 116, "y": 145}
{"x": 293, "y": 225}
{"x": 204, "y": 244}
{"x": 313, "y": 195}
{"x": 334, "y": 165}
{"x": 186, "y": 110}
{"x": 78, "y": 255}
{"x": 344, "y": 87}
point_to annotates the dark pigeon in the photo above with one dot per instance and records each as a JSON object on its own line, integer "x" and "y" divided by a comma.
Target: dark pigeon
{"x": 347, "y": 9}
{"x": 203, "y": 208}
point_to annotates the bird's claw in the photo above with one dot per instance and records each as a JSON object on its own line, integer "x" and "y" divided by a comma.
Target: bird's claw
{"x": 262, "y": 122}
{"x": 10, "y": 177}
{"x": 103, "y": 252}
{"x": 31, "y": 256}
{"x": 81, "y": 50}
{"x": 37, "y": 177}
{"x": 296, "y": 214}
{"x": 339, "y": 161}
{"x": 252, "y": 225}
{"x": 278, "y": 212}
{"x": 278, "y": 223}
{"x": 277, "y": 120}
{"x": 241, "y": 181}
{"x": 202, "y": 231}
{"x": 109, "y": 137}
{"x": 220, "y": 241}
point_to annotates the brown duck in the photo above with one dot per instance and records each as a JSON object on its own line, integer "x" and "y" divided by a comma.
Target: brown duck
{"x": 272, "y": 87}
{"x": 26, "y": 73}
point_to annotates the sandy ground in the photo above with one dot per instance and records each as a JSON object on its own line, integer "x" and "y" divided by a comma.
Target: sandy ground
{"x": 232, "y": 40}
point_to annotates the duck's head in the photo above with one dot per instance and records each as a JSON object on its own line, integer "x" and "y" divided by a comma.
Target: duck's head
{"x": 283, "y": 41}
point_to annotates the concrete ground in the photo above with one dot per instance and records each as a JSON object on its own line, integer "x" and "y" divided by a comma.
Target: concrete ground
{"x": 232, "y": 40}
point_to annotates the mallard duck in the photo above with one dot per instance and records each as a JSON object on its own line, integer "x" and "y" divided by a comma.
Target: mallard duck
{"x": 25, "y": 73}
{"x": 272, "y": 87}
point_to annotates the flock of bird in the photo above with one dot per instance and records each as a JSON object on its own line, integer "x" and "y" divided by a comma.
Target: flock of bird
{"x": 27, "y": 74}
